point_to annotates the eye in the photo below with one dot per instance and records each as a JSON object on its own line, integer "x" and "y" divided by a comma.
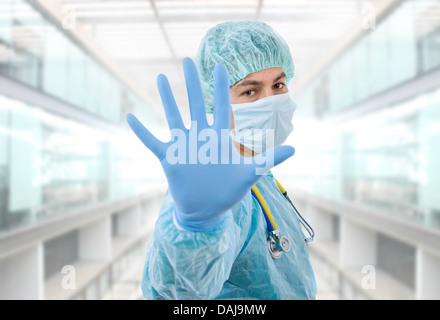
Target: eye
{"x": 249, "y": 92}
{"x": 279, "y": 85}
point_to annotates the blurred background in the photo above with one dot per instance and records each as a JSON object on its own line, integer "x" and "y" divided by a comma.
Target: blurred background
{"x": 79, "y": 194}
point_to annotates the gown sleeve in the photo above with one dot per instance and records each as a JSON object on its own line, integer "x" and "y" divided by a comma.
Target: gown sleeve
{"x": 182, "y": 264}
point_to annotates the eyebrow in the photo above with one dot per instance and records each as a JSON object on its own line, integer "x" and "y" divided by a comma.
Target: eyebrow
{"x": 282, "y": 75}
{"x": 254, "y": 82}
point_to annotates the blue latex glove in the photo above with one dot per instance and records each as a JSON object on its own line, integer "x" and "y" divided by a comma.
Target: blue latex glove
{"x": 203, "y": 192}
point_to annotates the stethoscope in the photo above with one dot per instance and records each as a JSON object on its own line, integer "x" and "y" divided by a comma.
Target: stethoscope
{"x": 276, "y": 244}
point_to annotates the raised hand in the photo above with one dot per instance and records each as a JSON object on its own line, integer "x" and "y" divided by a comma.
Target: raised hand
{"x": 206, "y": 174}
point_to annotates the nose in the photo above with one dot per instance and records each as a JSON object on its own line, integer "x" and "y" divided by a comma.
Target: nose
{"x": 267, "y": 92}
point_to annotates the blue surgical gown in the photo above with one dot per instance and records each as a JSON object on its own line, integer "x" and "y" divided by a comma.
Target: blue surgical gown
{"x": 232, "y": 261}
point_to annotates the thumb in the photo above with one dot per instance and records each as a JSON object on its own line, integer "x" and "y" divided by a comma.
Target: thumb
{"x": 272, "y": 158}
{"x": 282, "y": 153}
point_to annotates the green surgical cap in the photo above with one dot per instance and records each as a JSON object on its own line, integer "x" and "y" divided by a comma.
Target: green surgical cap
{"x": 243, "y": 47}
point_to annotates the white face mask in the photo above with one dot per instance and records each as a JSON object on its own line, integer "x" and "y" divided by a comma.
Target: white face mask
{"x": 265, "y": 123}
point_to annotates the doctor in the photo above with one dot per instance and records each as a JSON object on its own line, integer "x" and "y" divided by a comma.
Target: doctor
{"x": 216, "y": 236}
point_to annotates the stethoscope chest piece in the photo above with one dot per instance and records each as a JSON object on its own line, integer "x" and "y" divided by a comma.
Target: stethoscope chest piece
{"x": 285, "y": 244}
{"x": 277, "y": 245}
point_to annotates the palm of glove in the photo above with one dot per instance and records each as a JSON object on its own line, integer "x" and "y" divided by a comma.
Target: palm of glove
{"x": 205, "y": 173}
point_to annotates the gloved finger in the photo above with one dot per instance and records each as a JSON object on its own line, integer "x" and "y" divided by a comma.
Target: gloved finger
{"x": 195, "y": 95}
{"x": 147, "y": 138}
{"x": 222, "y": 100}
{"x": 282, "y": 153}
{"x": 273, "y": 156}
{"x": 169, "y": 103}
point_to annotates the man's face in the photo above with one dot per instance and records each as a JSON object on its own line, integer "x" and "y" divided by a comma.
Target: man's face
{"x": 258, "y": 85}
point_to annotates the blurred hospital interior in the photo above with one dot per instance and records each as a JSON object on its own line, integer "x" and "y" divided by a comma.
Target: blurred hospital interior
{"x": 79, "y": 193}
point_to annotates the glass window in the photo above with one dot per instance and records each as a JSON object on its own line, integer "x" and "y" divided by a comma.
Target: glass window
{"x": 379, "y": 58}
{"x": 76, "y": 75}
{"x": 428, "y": 125}
{"x": 5, "y": 36}
{"x": 387, "y": 159}
{"x": 6, "y": 21}
{"x": 4, "y": 159}
{"x": 28, "y": 43}
{"x": 25, "y": 158}
{"x": 113, "y": 110}
{"x": 430, "y": 50}
{"x": 92, "y": 86}
{"x": 402, "y": 45}
{"x": 334, "y": 74}
{"x": 345, "y": 80}
{"x": 55, "y": 79}
{"x": 50, "y": 165}
{"x": 426, "y": 19}
{"x": 42, "y": 55}
{"x": 110, "y": 99}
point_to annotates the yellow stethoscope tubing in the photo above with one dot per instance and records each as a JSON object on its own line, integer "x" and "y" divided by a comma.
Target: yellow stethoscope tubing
{"x": 269, "y": 219}
{"x": 271, "y": 225}
{"x": 283, "y": 191}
